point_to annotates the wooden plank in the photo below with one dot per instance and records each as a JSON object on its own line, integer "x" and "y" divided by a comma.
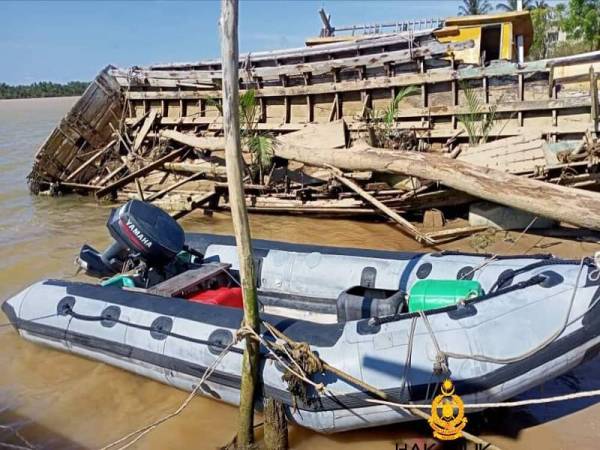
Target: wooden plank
{"x": 405, "y": 225}
{"x": 203, "y": 78}
{"x": 141, "y": 135}
{"x": 93, "y": 158}
{"x": 111, "y": 175}
{"x": 89, "y": 187}
{"x": 321, "y": 51}
{"x": 140, "y": 172}
{"x": 406, "y": 79}
{"x": 454, "y": 233}
{"x": 186, "y": 282}
{"x": 140, "y": 189}
{"x": 174, "y": 186}
{"x": 203, "y": 143}
{"x": 324, "y": 135}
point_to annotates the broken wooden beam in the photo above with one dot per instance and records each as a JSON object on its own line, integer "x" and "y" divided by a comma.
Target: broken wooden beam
{"x": 93, "y": 158}
{"x": 195, "y": 202}
{"x": 202, "y": 143}
{"x": 174, "y": 186}
{"x": 140, "y": 172}
{"x": 405, "y": 225}
{"x": 454, "y": 233}
{"x": 141, "y": 135}
{"x": 574, "y": 206}
{"x": 204, "y": 167}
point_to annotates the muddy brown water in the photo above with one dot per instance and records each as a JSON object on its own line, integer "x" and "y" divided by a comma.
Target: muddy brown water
{"x": 57, "y": 400}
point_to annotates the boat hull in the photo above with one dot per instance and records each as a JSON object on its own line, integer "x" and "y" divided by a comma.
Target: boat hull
{"x": 174, "y": 340}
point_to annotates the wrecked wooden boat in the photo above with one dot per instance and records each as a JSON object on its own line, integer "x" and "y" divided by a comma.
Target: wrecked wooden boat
{"x": 121, "y": 116}
{"x": 403, "y": 322}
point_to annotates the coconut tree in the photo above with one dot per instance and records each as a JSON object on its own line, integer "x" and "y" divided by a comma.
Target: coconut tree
{"x": 512, "y": 5}
{"x": 474, "y": 7}
{"x": 540, "y": 4}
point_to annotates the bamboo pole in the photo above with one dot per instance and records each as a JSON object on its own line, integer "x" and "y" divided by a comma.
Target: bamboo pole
{"x": 239, "y": 216}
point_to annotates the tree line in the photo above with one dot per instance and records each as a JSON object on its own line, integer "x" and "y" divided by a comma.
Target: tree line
{"x": 579, "y": 19}
{"x": 43, "y": 89}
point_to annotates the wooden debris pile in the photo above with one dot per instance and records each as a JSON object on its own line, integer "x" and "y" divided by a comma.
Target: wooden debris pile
{"x": 181, "y": 172}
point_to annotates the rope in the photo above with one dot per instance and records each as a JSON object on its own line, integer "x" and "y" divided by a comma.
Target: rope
{"x": 408, "y": 361}
{"x": 18, "y": 434}
{"x": 552, "y": 338}
{"x": 440, "y": 366}
{"x": 514, "y": 404}
{"x": 141, "y": 432}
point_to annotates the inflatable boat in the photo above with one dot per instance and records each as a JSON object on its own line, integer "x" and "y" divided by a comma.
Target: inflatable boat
{"x": 169, "y": 303}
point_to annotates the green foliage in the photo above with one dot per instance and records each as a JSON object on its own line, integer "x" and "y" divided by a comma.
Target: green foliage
{"x": 512, "y": 5}
{"x": 582, "y": 22}
{"x": 480, "y": 119}
{"x": 259, "y": 146}
{"x": 568, "y": 48}
{"x": 543, "y": 22}
{"x": 474, "y": 7}
{"x": 43, "y": 89}
{"x": 381, "y": 123}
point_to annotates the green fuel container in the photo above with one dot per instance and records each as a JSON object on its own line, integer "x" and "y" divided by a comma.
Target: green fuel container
{"x": 426, "y": 295}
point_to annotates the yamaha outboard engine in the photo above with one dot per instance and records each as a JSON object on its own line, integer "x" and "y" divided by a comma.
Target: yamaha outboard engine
{"x": 146, "y": 239}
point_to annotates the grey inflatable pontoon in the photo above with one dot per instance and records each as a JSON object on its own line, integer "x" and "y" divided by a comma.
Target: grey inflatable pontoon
{"x": 537, "y": 319}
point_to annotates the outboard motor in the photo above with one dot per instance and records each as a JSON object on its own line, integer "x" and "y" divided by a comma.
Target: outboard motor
{"x": 145, "y": 238}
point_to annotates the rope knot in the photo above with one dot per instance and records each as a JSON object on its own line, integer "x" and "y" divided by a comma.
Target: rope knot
{"x": 440, "y": 365}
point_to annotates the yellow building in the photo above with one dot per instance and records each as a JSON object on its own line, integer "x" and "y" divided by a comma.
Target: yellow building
{"x": 495, "y": 35}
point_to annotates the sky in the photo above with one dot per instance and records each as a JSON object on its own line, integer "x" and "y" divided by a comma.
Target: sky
{"x": 62, "y": 41}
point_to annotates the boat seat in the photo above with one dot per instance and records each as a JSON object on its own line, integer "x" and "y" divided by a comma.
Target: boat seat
{"x": 360, "y": 302}
{"x": 188, "y": 281}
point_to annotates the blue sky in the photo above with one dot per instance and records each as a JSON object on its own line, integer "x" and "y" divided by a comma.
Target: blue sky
{"x": 72, "y": 40}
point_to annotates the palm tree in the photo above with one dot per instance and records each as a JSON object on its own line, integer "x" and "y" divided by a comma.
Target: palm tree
{"x": 540, "y": 4}
{"x": 474, "y": 7}
{"x": 511, "y": 5}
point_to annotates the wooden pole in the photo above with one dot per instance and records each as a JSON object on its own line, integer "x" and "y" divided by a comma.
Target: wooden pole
{"x": 239, "y": 216}
{"x": 275, "y": 428}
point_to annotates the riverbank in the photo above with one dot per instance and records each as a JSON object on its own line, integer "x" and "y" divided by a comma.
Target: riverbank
{"x": 43, "y": 89}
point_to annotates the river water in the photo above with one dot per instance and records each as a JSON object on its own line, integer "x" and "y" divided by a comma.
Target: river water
{"x": 59, "y": 401}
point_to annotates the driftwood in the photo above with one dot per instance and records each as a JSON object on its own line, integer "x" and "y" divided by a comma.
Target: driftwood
{"x": 574, "y": 206}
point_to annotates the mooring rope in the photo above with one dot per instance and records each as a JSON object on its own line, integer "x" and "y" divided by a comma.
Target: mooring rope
{"x": 513, "y": 404}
